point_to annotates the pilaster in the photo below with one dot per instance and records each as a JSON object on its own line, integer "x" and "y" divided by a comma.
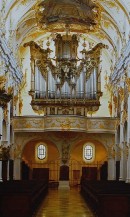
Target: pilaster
{"x": 128, "y": 132}
{"x": 1, "y": 171}
{"x": 111, "y": 169}
{"x": 122, "y": 160}
{"x": 1, "y": 120}
{"x": 17, "y": 169}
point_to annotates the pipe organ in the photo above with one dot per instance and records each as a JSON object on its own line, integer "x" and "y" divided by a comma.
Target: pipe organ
{"x": 65, "y": 84}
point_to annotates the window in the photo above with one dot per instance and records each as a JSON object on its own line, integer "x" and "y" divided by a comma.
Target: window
{"x": 41, "y": 152}
{"x": 89, "y": 152}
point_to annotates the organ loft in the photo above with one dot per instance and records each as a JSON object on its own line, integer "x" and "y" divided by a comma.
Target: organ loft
{"x": 64, "y": 108}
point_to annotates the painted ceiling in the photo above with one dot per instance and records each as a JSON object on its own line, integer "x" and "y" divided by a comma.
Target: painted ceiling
{"x": 95, "y": 20}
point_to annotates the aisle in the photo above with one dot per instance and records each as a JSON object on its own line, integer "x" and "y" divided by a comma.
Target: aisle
{"x": 63, "y": 203}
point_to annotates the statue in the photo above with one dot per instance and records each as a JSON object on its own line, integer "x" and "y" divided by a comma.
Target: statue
{"x": 65, "y": 151}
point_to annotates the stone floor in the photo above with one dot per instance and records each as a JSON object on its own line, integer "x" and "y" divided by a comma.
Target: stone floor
{"x": 63, "y": 203}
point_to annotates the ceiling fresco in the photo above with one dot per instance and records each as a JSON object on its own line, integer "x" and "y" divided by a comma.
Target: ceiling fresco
{"x": 101, "y": 20}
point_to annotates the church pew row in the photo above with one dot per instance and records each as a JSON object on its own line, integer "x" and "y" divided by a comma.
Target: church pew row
{"x": 107, "y": 198}
{"x": 21, "y": 198}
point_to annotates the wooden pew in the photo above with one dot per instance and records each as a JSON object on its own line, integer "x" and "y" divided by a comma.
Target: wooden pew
{"x": 21, "y": 198}
{"x": 107, "y": 198}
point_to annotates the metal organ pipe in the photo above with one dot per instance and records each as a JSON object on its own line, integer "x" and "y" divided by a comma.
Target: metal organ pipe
{"x": 95, "y": 82}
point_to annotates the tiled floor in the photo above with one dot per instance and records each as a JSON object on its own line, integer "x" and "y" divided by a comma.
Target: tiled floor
{"x": 63, "y": 203}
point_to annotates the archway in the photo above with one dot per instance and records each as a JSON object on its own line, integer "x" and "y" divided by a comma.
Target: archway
{"x": 35, "y": 168}
{"x": 81, "y": 167}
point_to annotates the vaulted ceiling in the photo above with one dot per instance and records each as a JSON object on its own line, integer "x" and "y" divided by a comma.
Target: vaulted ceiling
{"x": 96, "y": 20}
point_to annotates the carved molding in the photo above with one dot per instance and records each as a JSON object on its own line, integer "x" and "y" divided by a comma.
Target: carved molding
{"x": 64, "y": 123}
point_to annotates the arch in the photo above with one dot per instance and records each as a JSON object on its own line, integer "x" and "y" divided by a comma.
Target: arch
{"x": 48, "y": 166}
{"x": 100, "y": 149}
{"x": 79, "y": 166}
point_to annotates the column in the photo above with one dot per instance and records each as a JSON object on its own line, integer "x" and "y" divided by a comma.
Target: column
{"x": 121, "y": 178}
{"x": 1, "y": 171}
{"x": 8, "y": 170}
{"x": 1, "y": 120}
{"x": 17, "y": 168}
{"x": 117, "y": 153}
{"x": 32, "y": 74}
{"x": 111, "y": 163}
{"x": 128, "y": 132}
{"x": 8, "y": 123}
{"x": 111, "y": 169}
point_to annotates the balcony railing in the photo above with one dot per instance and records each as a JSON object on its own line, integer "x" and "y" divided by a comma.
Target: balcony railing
{"x": 64, "y": 95}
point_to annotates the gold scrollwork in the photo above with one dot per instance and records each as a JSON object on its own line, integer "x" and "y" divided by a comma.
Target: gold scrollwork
{"x": 4, "y": 153}
{"x": 128, "y": 84}
{"x": 121, "y": 93}
{"x": 124, "y": 116}
{"x": 115, "y": 102}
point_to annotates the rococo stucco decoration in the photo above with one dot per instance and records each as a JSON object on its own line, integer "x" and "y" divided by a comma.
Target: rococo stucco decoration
{"x": 64, "y": 123}
{"x": 53, "y": 13}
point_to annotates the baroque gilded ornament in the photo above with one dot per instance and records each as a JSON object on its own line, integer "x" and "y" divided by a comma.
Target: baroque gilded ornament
{"x": 4, "y": 153}
{"x": 61, "y": 76}
{"x": 124, "y": 116}
{"x": 5, "y": 97}
{"x": 121, "y": 93}
{"x": 51, "y": 13}
{"x": 115, "y": 101}
{"x": 111, "y": 151}
{"x": 64, "y": 81}
{"x": 128, "y": 84}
